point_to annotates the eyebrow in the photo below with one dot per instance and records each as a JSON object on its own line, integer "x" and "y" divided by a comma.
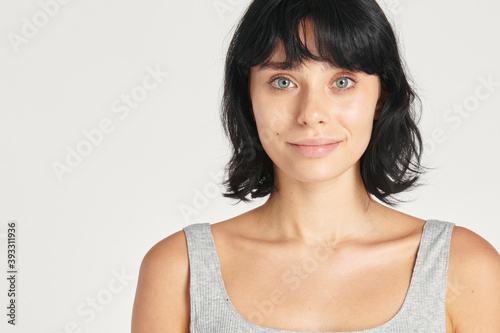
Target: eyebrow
{"x": 284, "y": 66}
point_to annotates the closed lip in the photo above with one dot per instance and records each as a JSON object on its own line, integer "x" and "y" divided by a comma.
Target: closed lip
{"x": 315, "y": 142}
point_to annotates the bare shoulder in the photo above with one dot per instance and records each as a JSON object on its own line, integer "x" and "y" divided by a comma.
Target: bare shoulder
{"x": 473, "y": 293}
{"x": 162, "y": 297}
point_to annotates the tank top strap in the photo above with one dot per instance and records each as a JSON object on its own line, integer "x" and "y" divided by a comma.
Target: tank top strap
{"x": 205, "y": 288}
{"x": 426, "y": 302}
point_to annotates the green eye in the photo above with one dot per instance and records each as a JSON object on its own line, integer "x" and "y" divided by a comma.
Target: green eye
{"x": 283, "y": 83}
{"x": 342, "y": 83}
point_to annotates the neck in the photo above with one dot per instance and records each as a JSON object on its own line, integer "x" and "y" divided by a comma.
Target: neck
{"x": 321, "y": 212}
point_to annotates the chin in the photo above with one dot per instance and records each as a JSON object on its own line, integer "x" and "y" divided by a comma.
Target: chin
{"x": 313, "y": 172}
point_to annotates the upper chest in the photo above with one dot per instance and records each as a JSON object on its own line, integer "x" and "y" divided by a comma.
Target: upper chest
{"x": 319, "y": 289}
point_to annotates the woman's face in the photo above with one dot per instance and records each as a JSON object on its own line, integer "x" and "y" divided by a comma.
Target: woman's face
{"x": 314, "y": 121}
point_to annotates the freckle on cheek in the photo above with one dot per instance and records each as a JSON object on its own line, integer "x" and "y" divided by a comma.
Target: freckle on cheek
{"x": 277, "y": 134}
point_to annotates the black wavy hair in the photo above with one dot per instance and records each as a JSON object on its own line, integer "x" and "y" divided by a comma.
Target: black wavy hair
{"x": 354, "y": 35}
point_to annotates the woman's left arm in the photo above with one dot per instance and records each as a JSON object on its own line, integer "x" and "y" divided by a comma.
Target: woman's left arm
{"x": 473, "y": 292}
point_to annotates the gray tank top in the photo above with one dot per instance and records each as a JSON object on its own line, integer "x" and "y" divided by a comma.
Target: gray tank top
{"x": 423, "y": 309}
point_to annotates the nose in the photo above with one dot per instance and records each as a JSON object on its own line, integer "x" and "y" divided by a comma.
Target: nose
{"x": 313, "y": 107}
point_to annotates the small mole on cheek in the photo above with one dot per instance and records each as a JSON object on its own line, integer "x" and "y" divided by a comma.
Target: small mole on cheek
{"x": 277, "y": 134}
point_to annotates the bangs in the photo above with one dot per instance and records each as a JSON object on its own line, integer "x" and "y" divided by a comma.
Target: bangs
{"x": 348, "y": 34}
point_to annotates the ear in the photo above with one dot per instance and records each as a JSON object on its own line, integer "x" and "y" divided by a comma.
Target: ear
{"x": 381, "y": 102}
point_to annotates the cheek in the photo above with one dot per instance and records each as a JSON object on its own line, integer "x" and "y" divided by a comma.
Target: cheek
{"x": 269, "y": 126}
{"x": 271, "y": 118}
{"x": 357, "y": 117}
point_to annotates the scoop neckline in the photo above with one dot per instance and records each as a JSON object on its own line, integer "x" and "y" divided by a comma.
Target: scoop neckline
{"x": 263, "y": 329}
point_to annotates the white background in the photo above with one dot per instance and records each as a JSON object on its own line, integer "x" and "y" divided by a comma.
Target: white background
{"x": 76, "y": 235}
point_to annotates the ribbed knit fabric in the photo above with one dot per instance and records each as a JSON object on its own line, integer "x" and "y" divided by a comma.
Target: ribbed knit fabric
{"x": 423, "y": 310}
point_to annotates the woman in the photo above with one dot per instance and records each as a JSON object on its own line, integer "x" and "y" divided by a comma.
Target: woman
{"x": 321, "y": 118}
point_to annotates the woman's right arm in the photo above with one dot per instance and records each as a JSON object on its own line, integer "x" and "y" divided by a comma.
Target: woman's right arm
{"x": 162, "y": 296}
